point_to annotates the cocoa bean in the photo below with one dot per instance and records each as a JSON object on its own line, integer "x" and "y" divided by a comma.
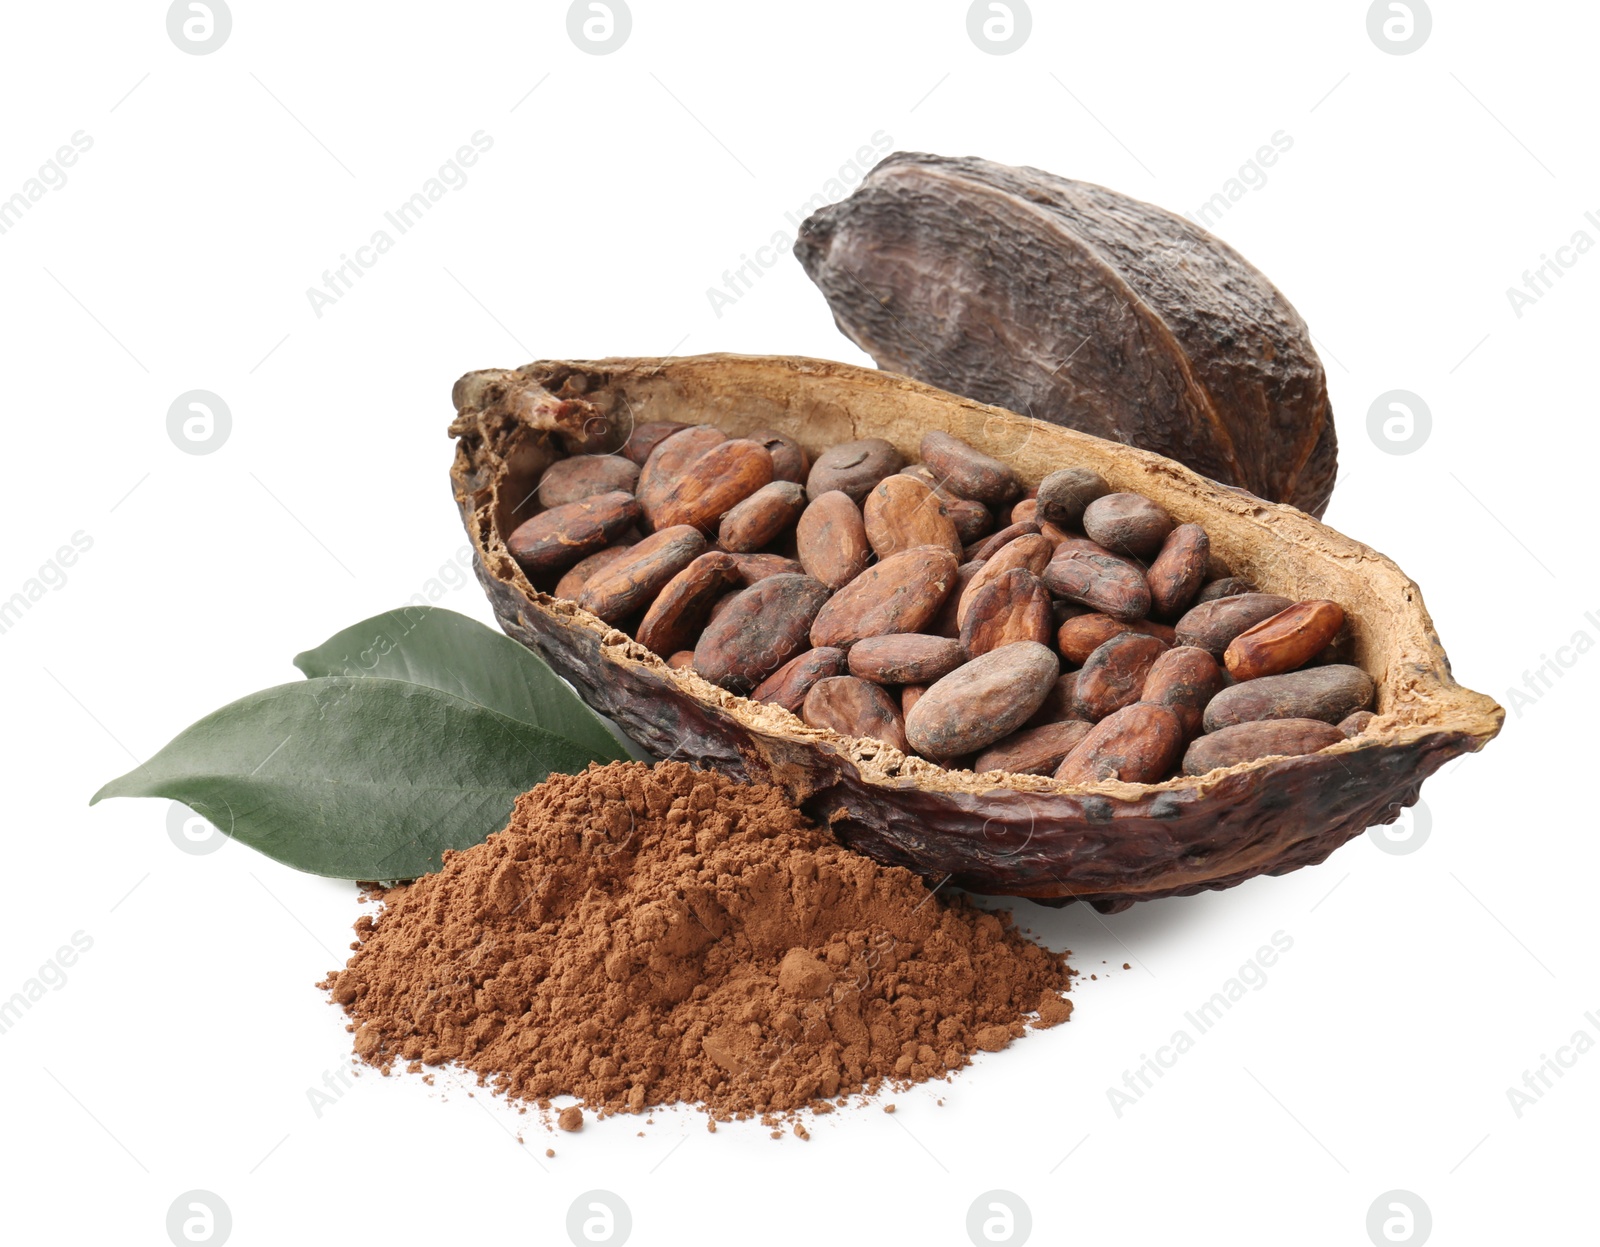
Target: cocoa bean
{"x": 580, "y": 573}
{"x": 1176, "y": 575}
{"x": 855, "y": 707}
{"x": 1186, "y": 679}
{"x": 762, "y": 517}
{"x": 1114, "y": 675}
{"x": 1034, "y": 750}
{"x": 1018, "y": 528}
{"x": 967, "y": 471}
{"x": 646, "y": 437}
{"x": 831, "y": 539}
{"x": 632, "y": 582}
{"x": 972, "y": 519}
{"x": 759, "y": 631}
{"x": 1287, "y": 640}
{"x": 558, "y": 538}
{"x": 1104, "y": 582}
{"x": 1127, "y": 524}
{"x": 681, "y": 609}
{"x": 1014, "y": 607}
{"x": 583, "y": 476}
{"x": 1212, "y": 625}
{"x": 1031, "y": 552}
{"x": 1355, "y": 724}
{"x": 1139, "y": 744}
{"x": 668, "y": 460}
{"x": 1064, "y": 495}
{"x": 682, "y": 659}
{"x": 1224, "y": 587}
{"x": 945, "y": 623}
{"x": 789, "y": 684}
{"x": 853, "y": 468}
{"x": 710, "y": 486}
{"x": 1080, "y": 635}
{"x": 1327, "y": 693}
{"x": 909, "y": 696}
{"x": 901, "y": 512}
{"x": 1027, "y": 509}
{"x": 904, "y": 658}
{"x": 754, "y": 567}
{"x": 1057, "y": 704}
{"x": 900, "y": 594}
{"x": 789, "y": 459}
{"x": 981, "y": 702}
{"x": 1246, "y": 742}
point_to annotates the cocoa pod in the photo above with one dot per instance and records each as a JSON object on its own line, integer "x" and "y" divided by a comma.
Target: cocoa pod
{"x": 1223, "y": 587}
{"x": 759, "y": 631}
{"x": 1030, "y": 552}
{"x": 1212, "y": 625}
{"x": 1185, "y": 679}
{"x": 789, "y": 459}
{"x": 710, "y": 486}
{"x": 1018, "y": 528}
{"x": 789, "y": 684}
{"x": 904, "y": 658}
{"x": 668, "y": 461}
{"x": 633, "y": 581}
{"x": 1176, "y": 575}
{"x": 967, "y": 472}
{"x": 853, "y": 468}
{"x": 1127, "y": 524}
{"x": 855, "y": 707}
{"x": 981, "y": 702}
{"x": 762, "y": 517}
{"x": 1103, "y": 582}
{"x": 1114, "y": 675}
{"x": 1139, "y": 744}
{"x": 1245, "y": 742}
{"x": 901, "y": 512}
{"x": 1355, "y": 724}
{"x": 1176, "y": 343}
{"x": 1080, "y": 635}
{"x": 972, "y": 519}
{"x": 682, "y": 608}
{"x": 1328, "y": 693}
{"x": 1034, "y": 750}
{"x": 1057, "y": 704}
{"x": 831, "y": 539}
{"x": 582, "y": 476}
{"x": 1065, "y": 494}
{"x": 646, "y": 437}
{"x": 580, "y": 573}
{"x": 945, "y": 622}
{"x": 754, "y": 567}
{"x": 1287, "y": 640}
{"x": 1010, "y": 608}
{"x": 900, "y": 594}
{"x": 558, "y": 538}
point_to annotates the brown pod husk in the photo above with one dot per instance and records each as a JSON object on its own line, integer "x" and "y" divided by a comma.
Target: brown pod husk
{"x": 986, "y": 279}
{"x": 1109, "y": 843}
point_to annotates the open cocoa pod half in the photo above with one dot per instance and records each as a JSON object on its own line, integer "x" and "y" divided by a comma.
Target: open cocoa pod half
{"x": 1109, "y": 843}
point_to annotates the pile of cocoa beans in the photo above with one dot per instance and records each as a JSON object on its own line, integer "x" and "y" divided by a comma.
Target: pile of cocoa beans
{"x": 941, "y": 607}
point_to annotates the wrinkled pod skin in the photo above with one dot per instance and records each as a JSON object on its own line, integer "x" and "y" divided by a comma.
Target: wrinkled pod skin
{"x": 1109, "y": 844}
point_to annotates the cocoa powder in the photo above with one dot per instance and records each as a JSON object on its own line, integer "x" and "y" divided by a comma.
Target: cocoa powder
{"x": 642, "y": 935}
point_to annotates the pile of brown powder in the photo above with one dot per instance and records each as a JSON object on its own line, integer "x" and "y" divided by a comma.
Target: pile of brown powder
{"x": 643, "y": 935}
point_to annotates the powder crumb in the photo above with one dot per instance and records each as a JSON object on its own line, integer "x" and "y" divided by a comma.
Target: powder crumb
{"x": 550, "y": 1153}
{"x": 414, "y": 1068}
{"x": 888, "y": 1108}
{"x": 734, "y": 956}
{"x": 1126, "y": 966}
{"x": 800, "y": 1132}
{"x": 571, "y": 1118}
{"x": 711, "y": 1125}
{"x": 1053, "y": 1010}
{"x": 777, "y": 1134}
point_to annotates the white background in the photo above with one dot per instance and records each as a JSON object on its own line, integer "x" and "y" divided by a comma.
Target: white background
{"x": 177, "y": 256}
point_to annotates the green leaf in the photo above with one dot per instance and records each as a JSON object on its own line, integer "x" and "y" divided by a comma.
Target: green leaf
{"x": 457, "y": 655}
{"x": 354, "y": 777}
